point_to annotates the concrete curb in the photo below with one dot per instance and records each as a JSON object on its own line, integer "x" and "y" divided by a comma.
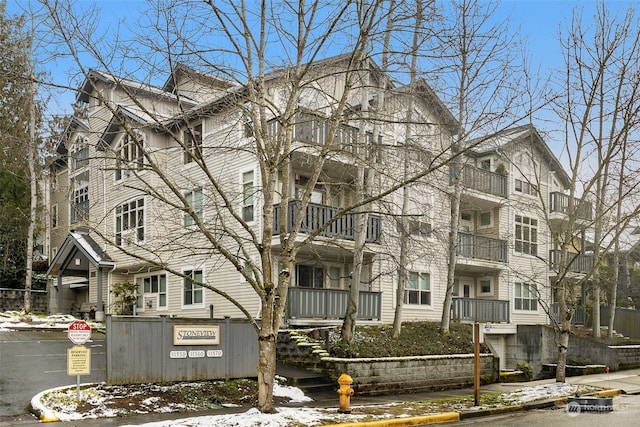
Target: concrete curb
{"x": 467, "y": 415}
{"x": 43, "y": 413}
{"x": 444, "y": 417}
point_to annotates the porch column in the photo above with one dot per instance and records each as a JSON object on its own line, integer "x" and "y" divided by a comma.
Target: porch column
{"x": 100, "y": 307}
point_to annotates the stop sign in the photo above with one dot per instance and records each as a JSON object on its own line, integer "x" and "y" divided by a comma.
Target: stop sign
{"x": 79, "y": 332}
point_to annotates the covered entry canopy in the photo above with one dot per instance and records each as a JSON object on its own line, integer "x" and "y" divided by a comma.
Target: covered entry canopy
{"x": 76, "y": 254}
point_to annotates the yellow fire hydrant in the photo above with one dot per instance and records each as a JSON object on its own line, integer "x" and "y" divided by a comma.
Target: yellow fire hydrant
{"x": 345, "y": 392}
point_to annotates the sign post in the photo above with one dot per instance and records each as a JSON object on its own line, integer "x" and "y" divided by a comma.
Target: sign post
{"x": 79, "y": 356}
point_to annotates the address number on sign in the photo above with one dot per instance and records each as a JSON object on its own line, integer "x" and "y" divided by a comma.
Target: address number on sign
{"x": 214, "y": 353}
{"x": 178, "y": 354}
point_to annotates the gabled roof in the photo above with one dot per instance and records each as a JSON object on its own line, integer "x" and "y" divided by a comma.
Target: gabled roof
{"x": 123, "y": 114}
{"x": 77, "y": 242}
{"x": 429, "y": 95}
{"x": 522, "y": 134}
{"x": 183, "y": 69}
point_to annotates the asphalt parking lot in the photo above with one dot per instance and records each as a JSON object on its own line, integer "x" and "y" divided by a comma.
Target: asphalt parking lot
{"x": 34, "y": 360}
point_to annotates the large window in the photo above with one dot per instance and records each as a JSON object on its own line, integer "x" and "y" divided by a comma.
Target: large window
{"x": 152, "y": 291}
{"x": 130, "y": 156}
{"x": 80, "y": 205}
{"x": 130, "y": 222}
{"x": 248, "y": 192}
{"x": 192, "y": 138}
{"x": 526, "y": 297}
{"x": 192, "y": 290}
{"x": 194, "y": 200}
{"x": 309, "y": 276}
{"x": 418, "y": 289}
{"x": 526, "y": 235}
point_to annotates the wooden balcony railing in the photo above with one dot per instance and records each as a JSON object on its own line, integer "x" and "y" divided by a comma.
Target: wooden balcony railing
{"x": 479, "y": 310}
{"x": 578, "y": 317}
{"x": 316, "y": 303}
{"x": 559, "y": 202}
{"x": 481, "y": 247}
{"x": 482, "y": 180}
{"x": 576, "y": 263}
{"x": 316, "y": 216}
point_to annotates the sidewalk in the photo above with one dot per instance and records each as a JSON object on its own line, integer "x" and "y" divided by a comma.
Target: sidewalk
{"x": 627, "y": 382}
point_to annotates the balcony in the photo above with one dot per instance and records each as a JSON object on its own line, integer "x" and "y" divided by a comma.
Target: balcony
{"x": 482, "y": 180}
{"x": 559, "y": 205}
{"x": 316, "y": 216}
{"x": 320, "y": 303}
{"x": 479, "y": 310}
{"x": 578, "y": 317}
{"x": 576, "y": 263}
{"x": 481, "y": 247}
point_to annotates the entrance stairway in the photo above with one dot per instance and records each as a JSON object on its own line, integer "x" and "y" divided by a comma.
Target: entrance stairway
{"x": 300, "y": 362}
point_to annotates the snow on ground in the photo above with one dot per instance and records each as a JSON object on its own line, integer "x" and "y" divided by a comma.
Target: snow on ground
{"x": 252, "y": 418}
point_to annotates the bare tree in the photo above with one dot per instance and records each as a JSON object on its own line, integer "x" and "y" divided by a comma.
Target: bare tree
{"x": 599, "y": 97}
{"x": 266, "y": 88}
{"x": 479, "y": 70}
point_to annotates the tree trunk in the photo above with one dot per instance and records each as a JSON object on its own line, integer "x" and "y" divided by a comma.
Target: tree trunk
{"x": 563, "y": 345}
{"x": 452, "y": 247}
{"x": 266, "y": 369}
{"x": 33, "y": 178}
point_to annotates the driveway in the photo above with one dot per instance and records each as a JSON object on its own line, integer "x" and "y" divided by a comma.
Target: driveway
{"x": 35, "y": 360}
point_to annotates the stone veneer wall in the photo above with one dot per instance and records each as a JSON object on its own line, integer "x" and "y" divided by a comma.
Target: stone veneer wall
{"x": 13, "y": 300}
{"x": 413, "y": 374}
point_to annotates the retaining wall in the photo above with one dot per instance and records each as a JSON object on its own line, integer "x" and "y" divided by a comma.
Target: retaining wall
{"x": 13, "y": 300}
{"x": 387, "y": 374}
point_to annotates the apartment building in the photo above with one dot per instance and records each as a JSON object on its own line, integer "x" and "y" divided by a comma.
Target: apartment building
{"x": 116, "y": 220}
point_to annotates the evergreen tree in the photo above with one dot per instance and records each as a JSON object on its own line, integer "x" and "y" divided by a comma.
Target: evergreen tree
{"x": 15, "y": 99}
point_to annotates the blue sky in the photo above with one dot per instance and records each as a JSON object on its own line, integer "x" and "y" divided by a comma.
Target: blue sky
{"x": 536, "y": 20}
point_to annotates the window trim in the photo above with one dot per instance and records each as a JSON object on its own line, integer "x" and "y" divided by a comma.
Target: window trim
{"x": 480, "y": 283}
{"x": 420, "y": 291}
{"x": 194, "y": 289}
{"x": 188, "y": 220}
{"x": 531, "y": 231}
{"x": 490, "y": 225}
{"x": 191, "y": 151}
{"x": 532, "y": 289}
{"x": 244, "y": 186}
{"x": 138, "y": 229}
{"x": 125, "y": 165}
{"x": 142, "y": 297}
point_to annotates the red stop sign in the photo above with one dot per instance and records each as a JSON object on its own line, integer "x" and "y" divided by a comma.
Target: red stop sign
{"x": 79, "y": 332}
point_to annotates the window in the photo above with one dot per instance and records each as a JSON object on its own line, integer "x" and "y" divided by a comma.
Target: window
{"x": 194, "y": 200}
{"x": 152, "y": 291}
{"x": 248, "y": 271}
{"x": 418, "y": 289}
{"x": 485, "y": 164}
{"x": 192, "y": 138}
{"x": 129, "y": 156}
{"x": 248, "y": 191}
{"x": 309, "y": 276}
{"x": 526, "y": 235}
{"x": 54, "y": 216}
{"x": 485, "y": 286}
{"x": 334, "y": 277}
{"x": 80, "y": 205}
{"x": 130, "y": 221}
{"x": 485, "y": 219}
{"x": 192, "y": 290}
{"x": 526, "y": 297}
{"x": 525, "y": 187}
{"x": 317, "y": 194}
{"x": 465, "y": 216}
